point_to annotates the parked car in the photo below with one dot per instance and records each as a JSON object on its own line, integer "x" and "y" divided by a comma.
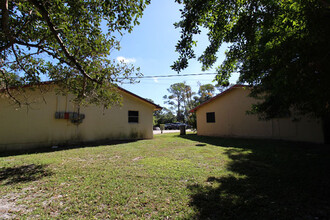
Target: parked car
{"x": 168, "y": 126}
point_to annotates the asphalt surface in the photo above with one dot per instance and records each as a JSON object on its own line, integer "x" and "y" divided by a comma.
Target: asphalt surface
{"x": 169, "y": 131}
{"x": 166, "y": 131}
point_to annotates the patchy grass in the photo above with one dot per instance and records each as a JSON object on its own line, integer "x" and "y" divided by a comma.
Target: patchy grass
{"x": 170, "y": 177}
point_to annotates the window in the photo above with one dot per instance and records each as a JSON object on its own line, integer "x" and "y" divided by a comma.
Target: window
{"x": 210, "y": 117}
{"x": 133, "y": 116}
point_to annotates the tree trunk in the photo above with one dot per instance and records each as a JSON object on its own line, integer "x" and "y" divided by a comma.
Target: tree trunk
{"x": 178, "y": 115}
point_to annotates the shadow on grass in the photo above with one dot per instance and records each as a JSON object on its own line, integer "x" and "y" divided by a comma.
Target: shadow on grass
{"x": 273, "y": 180}
{"x": 61, "y": 147}
{"x": 26, "y": 173}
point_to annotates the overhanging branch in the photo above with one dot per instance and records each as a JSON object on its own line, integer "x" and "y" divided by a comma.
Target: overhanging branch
{"x": 52, "y": 28}
{"x": 5, "y": 24}
{"x": 7, "y": 88}
{"x": 18, "y": 60}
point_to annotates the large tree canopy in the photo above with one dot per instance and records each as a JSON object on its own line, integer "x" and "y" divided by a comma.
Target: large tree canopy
{"x": 280, "y": 47}
{"x": 69, "y": 41}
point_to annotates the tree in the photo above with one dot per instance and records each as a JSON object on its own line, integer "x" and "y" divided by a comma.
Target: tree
{"x": 205, "y": 92}
{"x": 69, "y": 42}
{"x": 176, "y": 99}
{"x": 188, "y": 100}
{"x": 164, "y": 116}
{"x": 280, "y": 47}
{"x": 181, "y": 100}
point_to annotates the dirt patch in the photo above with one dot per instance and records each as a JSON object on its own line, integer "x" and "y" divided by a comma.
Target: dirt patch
{"x": 10, "y": 207}
{"x": 137, "y": 158}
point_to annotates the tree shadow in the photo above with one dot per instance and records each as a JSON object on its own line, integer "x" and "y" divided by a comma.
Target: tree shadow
{"x": 269, "y": 180}
{"x": 65, "y": 146}
{"x": 21, "y": 174}
{"x": 200, "y": 145}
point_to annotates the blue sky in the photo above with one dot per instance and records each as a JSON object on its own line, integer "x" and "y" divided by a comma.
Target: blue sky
{"x": 151, "y": 46}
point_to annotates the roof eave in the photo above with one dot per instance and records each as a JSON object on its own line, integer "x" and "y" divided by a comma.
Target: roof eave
{"x": 215, "y": 97}
{"x": 156, "y": 107}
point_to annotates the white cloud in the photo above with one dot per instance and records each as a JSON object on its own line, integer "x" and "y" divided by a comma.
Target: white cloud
{"x": 126, "y": 60}
{"x": 155, "y": 79}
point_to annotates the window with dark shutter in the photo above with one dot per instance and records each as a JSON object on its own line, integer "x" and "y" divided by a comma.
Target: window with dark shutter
{"x": 133, "y": 116}
{"x": 210, "y": 117}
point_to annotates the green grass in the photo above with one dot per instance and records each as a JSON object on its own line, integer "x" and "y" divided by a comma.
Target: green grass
{"x": 170, "y": 177}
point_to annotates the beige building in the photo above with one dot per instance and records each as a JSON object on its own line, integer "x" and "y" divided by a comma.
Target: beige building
{"x": 53, "y": 120}
{"x": 225, "y": 115}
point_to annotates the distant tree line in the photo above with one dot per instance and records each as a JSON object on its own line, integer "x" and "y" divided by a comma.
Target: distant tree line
{"x": 181, "y": 100}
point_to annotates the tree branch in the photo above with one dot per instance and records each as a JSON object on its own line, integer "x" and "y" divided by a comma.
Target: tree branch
{"x": 40, "y": 48}
{"x": 23, "y": 26}
{"x": 18, "y": 60}
{"x": 7, "y": 88}
{"x": 23, "y": 57}
{"x": 5, "y": 24}
{"x": 6, "y": 47}
{"x": 52, "y": 28}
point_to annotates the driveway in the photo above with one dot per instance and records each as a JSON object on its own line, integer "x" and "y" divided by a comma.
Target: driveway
{"x": 169, "y": 131}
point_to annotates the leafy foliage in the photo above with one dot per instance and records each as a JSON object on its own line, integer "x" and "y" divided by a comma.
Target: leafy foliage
{"x": 164, "y": 116}
{"x": 280, "y": 47}
{"x": 205, "y": 92}
{"x": 69, "y": 42}
{"x": 180, "y": 99}
{"x": 183, "y": 99}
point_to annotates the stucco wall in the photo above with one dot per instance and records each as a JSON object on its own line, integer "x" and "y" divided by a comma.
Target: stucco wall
{"x": 36, "y": 126}
{"x": 231, "y": 120}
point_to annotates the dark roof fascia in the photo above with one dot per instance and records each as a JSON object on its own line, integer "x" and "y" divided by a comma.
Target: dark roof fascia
{"x": 157, "y": 107}
{"x": 219, "y": 95}
{"x": 29, "y": 85}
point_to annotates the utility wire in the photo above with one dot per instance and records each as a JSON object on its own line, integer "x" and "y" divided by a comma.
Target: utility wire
{"x": 178, "y": 75}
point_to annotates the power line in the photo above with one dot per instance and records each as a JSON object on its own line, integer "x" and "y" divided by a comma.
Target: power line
{"x": 178, "y": 75}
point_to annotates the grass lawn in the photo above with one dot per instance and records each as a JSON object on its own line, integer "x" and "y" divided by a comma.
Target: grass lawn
{"x": 170, "y": 177}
